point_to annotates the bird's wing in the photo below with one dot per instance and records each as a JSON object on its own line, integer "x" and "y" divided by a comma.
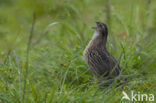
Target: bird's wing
{"x": 98, "y": 61}
{"x": 114, "y": 65}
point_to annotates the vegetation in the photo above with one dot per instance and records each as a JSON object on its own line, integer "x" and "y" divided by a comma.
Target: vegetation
{"x": 42, "y": 41}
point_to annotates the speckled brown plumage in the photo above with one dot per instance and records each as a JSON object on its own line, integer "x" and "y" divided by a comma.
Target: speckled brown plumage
{"x": 98, "y": 59}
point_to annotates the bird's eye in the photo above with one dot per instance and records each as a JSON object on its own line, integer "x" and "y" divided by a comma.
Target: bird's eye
{"x": 103, "y": 25}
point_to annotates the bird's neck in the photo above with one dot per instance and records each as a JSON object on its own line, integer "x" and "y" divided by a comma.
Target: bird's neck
{"x": 99, "y": 39}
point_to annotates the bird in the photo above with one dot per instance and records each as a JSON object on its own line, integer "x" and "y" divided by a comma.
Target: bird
{"x": 101, "y": 63}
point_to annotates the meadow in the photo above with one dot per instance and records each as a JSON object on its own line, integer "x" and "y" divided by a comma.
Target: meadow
{"x": 42, "y": 42}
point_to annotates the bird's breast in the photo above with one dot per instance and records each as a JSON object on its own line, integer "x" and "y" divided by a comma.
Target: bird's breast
{"x": 88, "y": 49}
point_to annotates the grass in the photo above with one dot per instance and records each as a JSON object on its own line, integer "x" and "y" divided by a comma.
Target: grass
{"x": 43, "y": 62}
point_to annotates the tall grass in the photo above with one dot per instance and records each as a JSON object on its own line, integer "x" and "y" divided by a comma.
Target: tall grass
{"x": 46, "y": 65}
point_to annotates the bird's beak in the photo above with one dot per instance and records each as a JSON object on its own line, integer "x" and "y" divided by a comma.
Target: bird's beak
{"x": 97, "y": 23}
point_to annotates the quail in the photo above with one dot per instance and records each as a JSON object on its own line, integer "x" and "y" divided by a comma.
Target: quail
{"x": 99, "y": 60}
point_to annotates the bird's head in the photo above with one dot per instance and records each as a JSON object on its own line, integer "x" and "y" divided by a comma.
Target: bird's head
{"x": 101, "y": 29}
